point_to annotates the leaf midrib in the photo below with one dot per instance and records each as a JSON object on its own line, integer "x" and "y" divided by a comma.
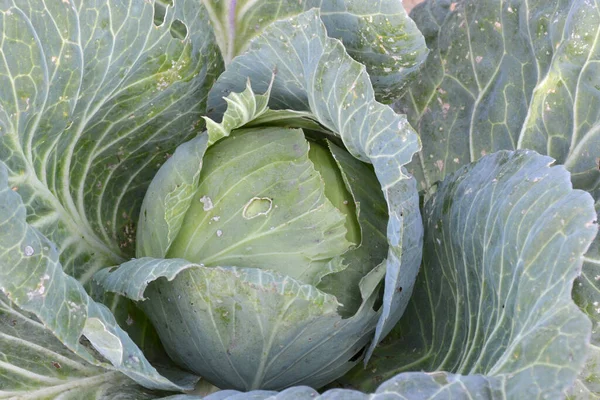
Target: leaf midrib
{"x": 81, "y": 229}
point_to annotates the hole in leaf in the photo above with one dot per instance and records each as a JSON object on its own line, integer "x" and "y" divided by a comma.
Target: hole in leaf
{"x": 257, "y": 206}
{"x": 178, "y": 30}
{"x": 160, "y": 11}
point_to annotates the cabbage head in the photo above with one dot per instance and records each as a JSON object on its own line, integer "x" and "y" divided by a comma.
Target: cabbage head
{"x": 269, "y": 234}
{"x": 268, "y": 247}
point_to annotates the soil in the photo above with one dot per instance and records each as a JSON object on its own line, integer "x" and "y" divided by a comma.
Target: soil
{"x": 409, "y": 4}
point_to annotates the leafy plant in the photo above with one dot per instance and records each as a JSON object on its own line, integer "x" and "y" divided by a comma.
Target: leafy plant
{"x": 218, "y": 190}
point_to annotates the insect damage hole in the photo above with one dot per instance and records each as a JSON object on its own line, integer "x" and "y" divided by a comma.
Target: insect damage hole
{"x": 257, "y": 206}
{"x": 178, "y": 30}
{"x": 160, "y": 11}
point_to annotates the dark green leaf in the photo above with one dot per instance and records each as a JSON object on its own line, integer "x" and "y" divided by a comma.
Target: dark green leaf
{"x": 376, "y": 33}
{"x": 505, "y": 239}
{"x": 506, "y": 75}
{"x": 32, "y": 277}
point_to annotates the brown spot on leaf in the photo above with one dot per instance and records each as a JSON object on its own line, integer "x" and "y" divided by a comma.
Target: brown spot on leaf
{"x": 445, "y": 108}
{"x": 440, "y": 165}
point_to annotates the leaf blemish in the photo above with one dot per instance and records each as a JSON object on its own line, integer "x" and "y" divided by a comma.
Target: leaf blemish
{"x": 208, "y": 204}
{"x": 257, "y": 206}
{"x": 40, "y": 288}
{"x": 440, "y": 165}
{"x": 28, "y": 251}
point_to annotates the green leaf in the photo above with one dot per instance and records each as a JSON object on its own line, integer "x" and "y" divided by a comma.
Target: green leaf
{"x": 94, "y": 97}
{"x": 586, "y": 385}
{"x": 172, "y": 189}
{"x": 168, "y": 198}
{"x": 372, "y": 215}
{"x": 377, "y": 33}
{"x": 247, "y": 109}
{"x": 414, "y": 385}
{"x": 241, "y": 109}
{"x": 288, "y": 119}
{"x": 586, "y": 293}
{"x": 31, "y": 276}
{"x": 505, "y": 239}
{"x": 292, "y": 334}
{"x": 341, "y": 100}
{"x": 35, "y": 365}
{"x": 508, "y": 75}
{"x": 323, "y": 158}
{"x": 137, "y": 325}
{"x": 512, "y": 75}
{"x": 268, "y": 211}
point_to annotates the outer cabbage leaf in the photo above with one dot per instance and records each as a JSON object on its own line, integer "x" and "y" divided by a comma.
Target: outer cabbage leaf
{"x": 342, "y": 100}
{"x": 586, "y": 293}
{"x": 93, "y": 98}
{"x": 286, "y": 324}
{"x": 377, "y": 33}
{"x": 248, "y": 109}
{"x": 412, "y": 385}
{"x": 505, "y": 239}
{"x": 31, "y": 276}
{"x": 169, "y": 197}
{"x": 506, "y": 75}
{"x": 39, "y": 366}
